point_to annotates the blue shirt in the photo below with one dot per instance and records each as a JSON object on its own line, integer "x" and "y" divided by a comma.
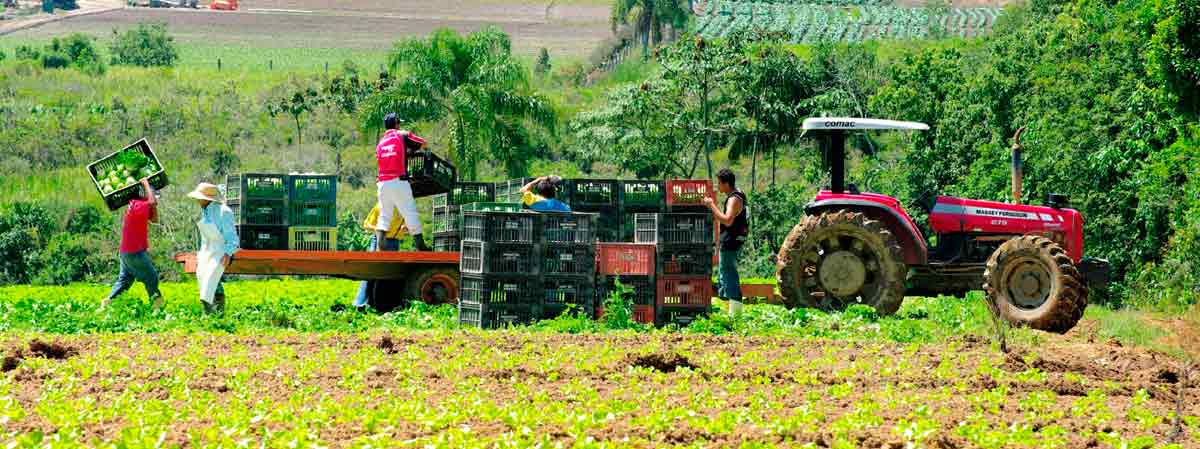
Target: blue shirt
{"x": 550, "y": 205}
{"x": 221, "y": 216}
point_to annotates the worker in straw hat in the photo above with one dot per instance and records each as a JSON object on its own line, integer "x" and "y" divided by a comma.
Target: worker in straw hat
{"x": 218, "y": 243}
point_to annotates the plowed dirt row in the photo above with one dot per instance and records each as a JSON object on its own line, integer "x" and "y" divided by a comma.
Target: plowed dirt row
{"x": 477, "y": 389}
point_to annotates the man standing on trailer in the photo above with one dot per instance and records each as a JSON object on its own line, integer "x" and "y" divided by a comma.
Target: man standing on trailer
{"x": 135, "y": 248}
{"x": 395, "y": 193}
{"x": 544, "y": 200}
{"x": 735, "y": 226}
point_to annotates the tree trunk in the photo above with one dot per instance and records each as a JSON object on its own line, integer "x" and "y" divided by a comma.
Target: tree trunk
{"x": 774, "y": 156}
{"x": 299, "y": 137}
{"x": 754, "y": 163}
{"x": 707, "y": 129}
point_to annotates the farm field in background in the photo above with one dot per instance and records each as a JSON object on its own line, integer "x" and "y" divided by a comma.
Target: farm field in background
{"x": 296, "y": 28}
{"x": 843, "y": 20}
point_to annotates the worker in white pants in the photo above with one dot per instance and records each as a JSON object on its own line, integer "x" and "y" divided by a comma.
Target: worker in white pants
{"x": 394, "y": 191}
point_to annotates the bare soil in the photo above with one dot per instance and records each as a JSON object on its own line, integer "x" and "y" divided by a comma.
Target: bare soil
{"x": 361, "y": 24}
{"x": 708, "y": 375}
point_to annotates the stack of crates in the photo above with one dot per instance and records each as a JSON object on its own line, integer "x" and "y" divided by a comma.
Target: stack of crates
{"x": 499, "y": 267}
{"x": 260, "y": 207}
{"x": 568, "y": 263}
{"x": 312, "y": 212}
{"x": 685, "y": 239}
{"x": 632, "y": 264}
{"x": 447, "y": 212}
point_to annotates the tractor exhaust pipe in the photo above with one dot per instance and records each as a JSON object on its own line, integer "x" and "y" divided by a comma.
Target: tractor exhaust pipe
{"x": 1018, "y": 168}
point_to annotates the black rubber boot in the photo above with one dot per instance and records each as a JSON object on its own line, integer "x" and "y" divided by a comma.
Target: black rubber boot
{"x": 219, "y": 304}
{"x": 419, "y": 243}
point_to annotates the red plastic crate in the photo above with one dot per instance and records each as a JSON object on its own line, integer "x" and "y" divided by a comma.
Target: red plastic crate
{"x": 684, "y": 291}
{"x": 641, "y": 313}
{"x": 625, "y": 259}
{"x": 689, "y": 192}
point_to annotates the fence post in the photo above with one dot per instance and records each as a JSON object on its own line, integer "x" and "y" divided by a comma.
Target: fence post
{"x": 218, "y": 64}
{"x": 270, "y": 64}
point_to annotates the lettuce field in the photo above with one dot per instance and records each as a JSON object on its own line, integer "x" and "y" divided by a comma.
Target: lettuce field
{"x": 283, "y": 370}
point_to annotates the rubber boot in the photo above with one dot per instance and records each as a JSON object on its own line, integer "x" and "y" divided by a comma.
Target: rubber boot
{"x": 379, "y": 239}
{"x": 219, "y": 304}
{"x": 158, "y": 302}
{"x": 208, "y": 307}
{"x": 735, "y": 307}
{"x": 419, "y": 243}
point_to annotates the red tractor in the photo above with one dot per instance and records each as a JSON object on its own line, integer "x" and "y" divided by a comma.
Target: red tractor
{"x": 856, "y": 247}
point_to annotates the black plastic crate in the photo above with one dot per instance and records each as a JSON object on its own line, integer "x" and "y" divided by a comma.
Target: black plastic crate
{"x": 681, "y": 317}
{"x": 510, "y": 191}
{"x": 562, "y": 292}
{"x": 501, "y": 227}
{"x": 569, "y": 228}
{"x": 685, "y": 228}
{"x": 446, "y": 219}
{"x": 263, "y": 237}
{"x": 643, "y": 287}
{"x": 473, "y": 192}
{"x": 313, "y": 213}
{"x": 269, "y": 186}
{"x": 593, "y": 192}
{"x": 448, "y": 242}
{"x": 609, "y": 222}
{"x": 499, "y": 258}
{"x": 496, "y": 316}
{"x": 429, "y": 174}
{"x": 568, "y": 258}
{"x": 684, "y": 259}
{"x": 312, "y": 188}
{"x": 645, "y": 228}
{"x": 120, "y": 197}
{"x": 489, "y": 289}
{"x": 257, "y": 211}
{"x": 642, "y": 196}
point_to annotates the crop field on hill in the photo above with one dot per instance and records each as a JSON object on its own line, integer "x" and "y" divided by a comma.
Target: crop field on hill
{"x": 294, "y": 27}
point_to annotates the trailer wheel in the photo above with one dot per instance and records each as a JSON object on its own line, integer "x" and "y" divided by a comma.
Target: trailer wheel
{"x": 838, "y": 258}
{"x": 435, "y": 286}
{"x": 1030, "y": 281}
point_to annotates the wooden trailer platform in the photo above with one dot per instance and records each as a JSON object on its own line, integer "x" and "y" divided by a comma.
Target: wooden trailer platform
{"x": 396, "y": 276}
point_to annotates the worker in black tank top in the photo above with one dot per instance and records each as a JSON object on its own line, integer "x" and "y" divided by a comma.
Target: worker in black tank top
{"x": 734, "y": 223}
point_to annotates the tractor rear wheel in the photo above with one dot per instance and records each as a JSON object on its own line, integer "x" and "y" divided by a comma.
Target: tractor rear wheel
{"x": 1030, "y": 281}
{"x": 838, "y": 258}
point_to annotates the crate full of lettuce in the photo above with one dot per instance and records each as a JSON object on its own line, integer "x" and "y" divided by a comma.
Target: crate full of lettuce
{"x": 118, "y": 175}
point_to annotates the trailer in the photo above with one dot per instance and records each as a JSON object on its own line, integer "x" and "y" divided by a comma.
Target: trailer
{"x": 395, "y": 277}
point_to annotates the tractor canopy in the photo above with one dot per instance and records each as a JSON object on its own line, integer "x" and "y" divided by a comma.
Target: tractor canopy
{"x": 848, "y": 123}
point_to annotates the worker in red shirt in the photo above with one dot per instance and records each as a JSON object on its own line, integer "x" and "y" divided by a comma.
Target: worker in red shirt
{"x": 135, "y": 246}
{"x": 395, "y": 194}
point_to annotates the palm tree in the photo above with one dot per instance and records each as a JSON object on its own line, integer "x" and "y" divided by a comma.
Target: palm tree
{"x": 474, "y": 82}
{"x": 649, "y": 18}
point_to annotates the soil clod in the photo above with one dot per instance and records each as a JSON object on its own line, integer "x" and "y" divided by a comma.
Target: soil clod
{"x": 1166, "y": 376}
{"x": 666, "y": 363}
{"x": 10, "y": 362}
{"x": 51, "y": 350}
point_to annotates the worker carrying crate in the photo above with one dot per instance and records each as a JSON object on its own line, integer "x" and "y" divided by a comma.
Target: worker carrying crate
{"x": 395, "y": 192}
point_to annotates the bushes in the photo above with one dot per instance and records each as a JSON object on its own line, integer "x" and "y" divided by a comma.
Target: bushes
{"x": 146, "y": 45}
{"x": 77, "y": 50}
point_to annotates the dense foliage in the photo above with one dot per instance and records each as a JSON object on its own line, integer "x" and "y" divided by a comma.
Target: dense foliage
{"x": 146, "y": 45}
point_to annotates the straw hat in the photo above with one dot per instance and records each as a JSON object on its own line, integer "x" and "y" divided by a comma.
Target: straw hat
{"x": 207, "y": 192}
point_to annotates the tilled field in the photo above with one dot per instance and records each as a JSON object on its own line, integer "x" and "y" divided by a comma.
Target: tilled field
{"x": 363, "y": 25}
{"x": 518, "y": 389}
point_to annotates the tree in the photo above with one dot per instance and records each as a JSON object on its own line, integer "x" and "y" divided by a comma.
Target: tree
{"x": 542, "y": 66}
{"x": 649, "y": 18}
{"x": 705, "y": 74}
{"x": 475, "y": 84}
{"x": 298, "y": 100}
{"x": 631, "y": 131}
{"x": 774, "y": 88}
{"x": 145, "y": 45}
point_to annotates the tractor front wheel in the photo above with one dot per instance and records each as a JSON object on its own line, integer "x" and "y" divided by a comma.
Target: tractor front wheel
{"x": 1031, "y": 282}
{"x": 838, "y": 258}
